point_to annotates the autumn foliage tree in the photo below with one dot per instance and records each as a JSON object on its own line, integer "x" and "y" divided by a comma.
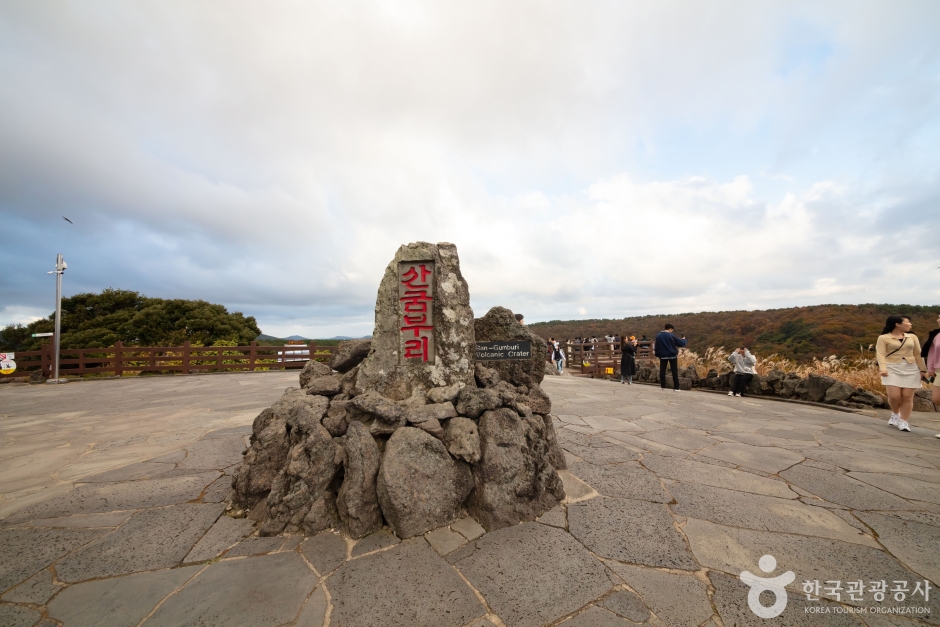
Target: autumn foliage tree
{"x": 100, "y": 320}
{"x": 799, "y": 333}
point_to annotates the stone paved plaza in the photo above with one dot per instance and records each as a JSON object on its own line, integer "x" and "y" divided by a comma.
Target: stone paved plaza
{"x": 113, "y": 512}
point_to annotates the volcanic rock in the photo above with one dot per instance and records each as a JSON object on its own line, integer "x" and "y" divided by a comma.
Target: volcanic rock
{"x": 384, "y": 370}
{"x": 358, "y": 502}
{"x": 499, "y": 324}
{"x": 514, "y": 480}
{"x": 462, "y": 439}
{"x": 447, "y": 394}
{"x": 817, "y": 386}
{"x": 330, "y": 385}
{"x": 374, "y": 403}
{"x": 349, "y": 354}
{"x": 435, "y": 411}
{"x": 420, "y": 486}
{"x": 473, "y": 401}
{"x": 314, "y": 370}
{"x": 267, "y": 451}
{"x": 300, "y": 496}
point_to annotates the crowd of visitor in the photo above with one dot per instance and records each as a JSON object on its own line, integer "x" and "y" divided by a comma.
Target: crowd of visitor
{"x": 903, "y": 362}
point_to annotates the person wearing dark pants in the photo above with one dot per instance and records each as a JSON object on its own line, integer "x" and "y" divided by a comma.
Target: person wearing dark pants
{"x": 744, "y": 372}
{"x": 666, "y": 347}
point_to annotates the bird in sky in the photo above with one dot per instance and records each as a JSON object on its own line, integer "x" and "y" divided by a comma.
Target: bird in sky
{"x": 67, "y": 220}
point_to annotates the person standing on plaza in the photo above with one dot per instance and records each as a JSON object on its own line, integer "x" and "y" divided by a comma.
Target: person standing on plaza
{"x": 901, "y": 366}
{"x": 931, "y": 354}
{"x": 667, "y": 347}
{"x": 744, "y": 363}
{"x": 627, "y": 359}
{"x": 558, "y": 356}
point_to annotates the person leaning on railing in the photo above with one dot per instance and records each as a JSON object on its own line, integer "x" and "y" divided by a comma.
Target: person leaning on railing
{"x": 901, "y": 368}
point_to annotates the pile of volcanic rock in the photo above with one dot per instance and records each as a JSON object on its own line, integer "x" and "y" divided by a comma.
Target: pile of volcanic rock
{"x": 330, "y": 455}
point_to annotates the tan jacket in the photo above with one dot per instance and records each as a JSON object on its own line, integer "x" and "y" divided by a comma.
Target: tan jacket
{"x": 889, "y": 350}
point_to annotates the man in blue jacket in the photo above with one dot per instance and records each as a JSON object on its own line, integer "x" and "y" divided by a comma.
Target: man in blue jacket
{"x": 666, "y": 347}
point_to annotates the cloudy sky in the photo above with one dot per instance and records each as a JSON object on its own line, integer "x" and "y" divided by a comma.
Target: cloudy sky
{"x": 588, "y": 159}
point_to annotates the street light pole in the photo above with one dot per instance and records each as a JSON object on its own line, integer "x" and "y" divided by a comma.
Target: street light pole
{"x": 60, "y": 267}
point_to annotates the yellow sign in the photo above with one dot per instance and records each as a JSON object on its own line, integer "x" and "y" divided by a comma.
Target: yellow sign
{"x": 7, "y": 366}
{"x": 610, "y": 370}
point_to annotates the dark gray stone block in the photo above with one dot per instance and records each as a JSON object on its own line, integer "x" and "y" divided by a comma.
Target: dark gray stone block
{"x": 677, "y": 600}
{"x": 756, "y": 511}
{"x": 375, "y": 541}
{"x": 630, "y": 531}
{"x": 628, "y": 480}
{"x": 842, "y": 489}
{"x": 36, "y": 590}
{"x": 18, "y": 616}
{"x": 264, "y": 591}
{"x": 595, "y": 616}
{"x": 532, "y": 574}
{"x": 110, "y": 497}
{"x": 326, "y": 551}
{"x": 117, "y": 602}
{"x": 131, "y": 472}
{"x": 913, "y": 543}
{"x": 158, "y": 538}
{"x": 314, "y": 612}
{"x": 23, "y": 552}
{"x": 224, "y": 533}
{"x": 407, "y": 586}
{"x": 627, "y": 604}
{"x": 218, "y": 491}
{"x": 730, "y": 599}
{"x": 213, "y": 453}
{"x": 255, "y": 546}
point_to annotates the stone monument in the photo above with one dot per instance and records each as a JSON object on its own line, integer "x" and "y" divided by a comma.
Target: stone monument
{"x": 415, "y": 429}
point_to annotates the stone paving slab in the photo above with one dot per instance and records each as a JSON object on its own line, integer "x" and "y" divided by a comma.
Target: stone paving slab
{"x": 669, "y": 497}
{"x": 24, "y": 552}
{"x": 630, "y": 531}
{"x": 119, "y": 601}
{"x": 151, "y": 539}
{"x": 678, "y": 600}
{"x": 533, "y": 574}
{"x": 408, "y": 585}
{"x": 234, "y": 592}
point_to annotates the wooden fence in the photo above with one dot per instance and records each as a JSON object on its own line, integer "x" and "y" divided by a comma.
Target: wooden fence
{"x": 600, "y": 358}
{"x": 185, "y": 359}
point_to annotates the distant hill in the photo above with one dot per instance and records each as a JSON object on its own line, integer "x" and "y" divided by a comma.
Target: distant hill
{"x": 797, "y": 332}
{"x": 99, "y": 320}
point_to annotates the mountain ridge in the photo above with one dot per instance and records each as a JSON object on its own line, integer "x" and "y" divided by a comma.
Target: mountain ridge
{"x": 799, "y": 333}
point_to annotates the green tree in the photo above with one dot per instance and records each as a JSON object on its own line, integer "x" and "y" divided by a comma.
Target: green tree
{"x": 100, "y": 320}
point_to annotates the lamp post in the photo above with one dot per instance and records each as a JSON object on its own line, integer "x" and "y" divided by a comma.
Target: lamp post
{"x": 60, "y": 267}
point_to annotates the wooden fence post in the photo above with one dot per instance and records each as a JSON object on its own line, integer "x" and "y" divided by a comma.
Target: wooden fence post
{"x": 118, "y": 358}
{"x": 252, "y": 352}
{"x": 311, "y": 350}
{"x": 186, "y": 357}
{"x": 46, "y": 360}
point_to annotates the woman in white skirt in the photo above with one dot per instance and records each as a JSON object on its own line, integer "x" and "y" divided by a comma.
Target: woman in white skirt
{"x": 901, "y": 367}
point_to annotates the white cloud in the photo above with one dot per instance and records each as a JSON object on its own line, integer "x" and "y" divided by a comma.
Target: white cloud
{"x": 611, "y": 158}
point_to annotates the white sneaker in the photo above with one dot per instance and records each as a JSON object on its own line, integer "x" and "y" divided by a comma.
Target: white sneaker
{"x": 738, "y": 395}
{"x": 893, "y": 420}
{"x": 730, "y": 393}
{"x": 903, "y": 425}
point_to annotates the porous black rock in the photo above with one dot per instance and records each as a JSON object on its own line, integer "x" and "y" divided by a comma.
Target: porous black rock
{"x": 500, "y": 324}
{"x": 358, "y": 501}
{"x": 349, "y": 354}
{"x": 420, "y": 486}
{"x": 514, "y": 481}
